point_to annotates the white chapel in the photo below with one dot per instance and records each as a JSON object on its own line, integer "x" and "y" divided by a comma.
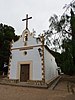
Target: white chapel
{"x": 31, "y": 59}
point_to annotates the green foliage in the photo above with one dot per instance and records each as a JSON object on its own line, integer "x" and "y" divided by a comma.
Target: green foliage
{"x": 68, "y": 66}
{"x": 7, "y": 34}
{"x": 63, "y": 31}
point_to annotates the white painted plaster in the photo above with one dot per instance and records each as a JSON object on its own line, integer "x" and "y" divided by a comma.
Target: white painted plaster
{"x": 50, "y": 66}
{"x": 32, "y": 55}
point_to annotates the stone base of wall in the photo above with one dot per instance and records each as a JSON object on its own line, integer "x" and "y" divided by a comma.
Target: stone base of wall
{"x": 6, "y": 80}
{"x": 36, "y": 82}
{"x": 29, "y": 83}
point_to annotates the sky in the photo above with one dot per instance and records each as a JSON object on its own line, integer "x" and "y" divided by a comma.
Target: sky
{"x": 13, "y": 11}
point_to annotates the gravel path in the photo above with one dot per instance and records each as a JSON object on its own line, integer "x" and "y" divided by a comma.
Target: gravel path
{"x": 23, "y": 93}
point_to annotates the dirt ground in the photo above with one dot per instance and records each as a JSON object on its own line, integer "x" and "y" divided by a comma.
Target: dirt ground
{"x": 23, "y": 93}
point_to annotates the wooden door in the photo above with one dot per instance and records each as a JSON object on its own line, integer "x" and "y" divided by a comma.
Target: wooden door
{"x": 24, "y": 72}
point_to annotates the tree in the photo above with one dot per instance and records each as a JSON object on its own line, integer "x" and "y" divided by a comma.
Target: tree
{"x": 62, "y": 31}
{"x": 7, "y": 34}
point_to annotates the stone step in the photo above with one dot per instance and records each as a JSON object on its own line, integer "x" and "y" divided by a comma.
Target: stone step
{"x": 6, "y": 81}
{"x": 54, "y": 84}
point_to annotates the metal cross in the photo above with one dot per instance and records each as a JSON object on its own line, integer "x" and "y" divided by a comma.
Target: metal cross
{"x": 26, "y": 20}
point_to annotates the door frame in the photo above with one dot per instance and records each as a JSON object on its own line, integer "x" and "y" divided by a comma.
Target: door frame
{"x": 30, "y": 69}
{"x": 24, "y": 69}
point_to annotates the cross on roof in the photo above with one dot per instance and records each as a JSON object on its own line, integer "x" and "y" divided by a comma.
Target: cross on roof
{"x": 26, "y": 20}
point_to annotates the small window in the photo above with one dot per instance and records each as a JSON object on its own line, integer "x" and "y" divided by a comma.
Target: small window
{"x": 25, "y": 52}
{"x": 26, "y": 37}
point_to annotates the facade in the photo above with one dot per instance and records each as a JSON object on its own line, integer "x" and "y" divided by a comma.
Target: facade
{"x": 31, "y": 60}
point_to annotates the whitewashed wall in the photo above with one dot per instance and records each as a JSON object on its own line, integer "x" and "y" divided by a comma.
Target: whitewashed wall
{"x": 20, "y": 43}
{"x": 32, "y": 56}
{"x": 50, "y": 66}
